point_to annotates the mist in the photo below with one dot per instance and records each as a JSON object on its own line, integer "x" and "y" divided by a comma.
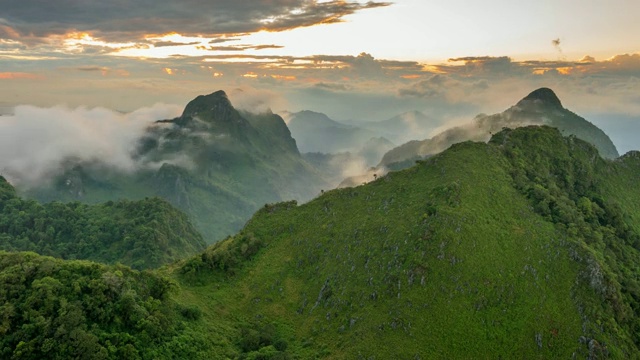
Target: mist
{"x": 35, "y": 142}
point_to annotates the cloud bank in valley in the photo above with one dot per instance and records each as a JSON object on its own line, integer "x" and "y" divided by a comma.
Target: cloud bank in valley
{"x": 36, "y": 142}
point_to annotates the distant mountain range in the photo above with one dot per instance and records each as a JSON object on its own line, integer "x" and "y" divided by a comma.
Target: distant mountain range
{"x": 220, "y": 165}
{"x": 316, "y": 132}
{"x": 541, "y": 107}
{"x": 411, "y": 125}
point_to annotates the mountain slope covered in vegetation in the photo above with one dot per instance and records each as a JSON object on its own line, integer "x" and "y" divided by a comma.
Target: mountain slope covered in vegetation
{"x": 61, "y": 309}
{"x": 142, "y": 234}
{"x": 217, "y": 164}
{"x": 510, "y": 249}
{"x": 523, "y": 247}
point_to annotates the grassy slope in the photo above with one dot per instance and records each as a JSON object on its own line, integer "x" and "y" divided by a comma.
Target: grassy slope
{"x": 446, "y": 259}
{"x": 452, "y": 258}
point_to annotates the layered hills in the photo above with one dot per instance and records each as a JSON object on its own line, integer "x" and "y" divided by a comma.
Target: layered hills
{"x": 522, "y": 247}
{"x": 402, "y": 128}
{"x": 214, "y": 162}
{"x": 540, "y": 107}
{"x": 317, "y": 133}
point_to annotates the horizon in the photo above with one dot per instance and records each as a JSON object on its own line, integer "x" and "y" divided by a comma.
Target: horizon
{"x": 449, "y": 60}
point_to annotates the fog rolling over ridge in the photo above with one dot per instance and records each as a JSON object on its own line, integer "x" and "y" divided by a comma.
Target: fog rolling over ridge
{"x": 214, "y": 162}
{"x": 36, "y": 143}
{"x": 540, "y": 107}
{"x": 219, "y": 164}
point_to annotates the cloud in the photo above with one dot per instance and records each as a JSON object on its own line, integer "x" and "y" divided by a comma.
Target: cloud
{"x": 242, "y": 47}
{"x": 124, "y": 19}
{"x": 624, "y": 64}
{"x": 256, "y": 100}
{"x": 36, "y": 142}
{"x": 435, "y": 86}
{"x": 19, "y": 75}
{"x": 171, "y": 43}
{"x": 92, "y": 68}
{"x": 332, "y": 87}
{"x": 483, "y": 65}
{"x": 556, "y": 44}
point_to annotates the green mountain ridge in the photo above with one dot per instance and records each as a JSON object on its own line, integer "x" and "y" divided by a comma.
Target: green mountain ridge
{"x": 523, "y": 247}
{"x": 215, "y": 163}
{"x": 514, "y": 248}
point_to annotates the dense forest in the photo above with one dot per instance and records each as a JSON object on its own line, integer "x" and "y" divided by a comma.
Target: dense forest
{"x": 57, "y": 309}
{"x": 142, "y": 234}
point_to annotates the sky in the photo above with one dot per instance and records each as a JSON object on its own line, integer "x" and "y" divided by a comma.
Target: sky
{"x": 353, "y": 60}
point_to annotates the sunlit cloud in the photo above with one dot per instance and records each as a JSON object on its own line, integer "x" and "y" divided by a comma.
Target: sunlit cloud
{"x": 19, "y": 75}
{"x": 78, "y": 41}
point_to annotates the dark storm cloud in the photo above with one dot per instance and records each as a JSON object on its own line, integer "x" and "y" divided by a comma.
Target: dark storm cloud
{"x": 123, "y": 19}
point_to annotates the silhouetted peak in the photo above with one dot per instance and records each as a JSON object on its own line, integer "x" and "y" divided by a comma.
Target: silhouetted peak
{"x": 216, "y": 102}
{"x": 544, "y": 95}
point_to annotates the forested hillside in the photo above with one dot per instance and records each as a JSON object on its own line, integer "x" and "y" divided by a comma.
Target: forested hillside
{"x": 142, "y": 234}
{"x": 61, "y": 309}
{"x": 215, "y": 163}
{"x": 522, "y": 247}
{"x": 507, "y": 249}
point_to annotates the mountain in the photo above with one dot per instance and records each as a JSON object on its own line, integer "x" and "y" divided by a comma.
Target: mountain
{"x": 142, "y": 234}
{"x": 411, "y": 125}
{"x": 217, "y": 164}
{"x": 516, "y": 248}
{"x": 316, "y": 132}
{"x": 336, "y": 167}
{"x": 541, "y": 107}
{"x": 522, "y": 247}
{"x": 373, "y": 150}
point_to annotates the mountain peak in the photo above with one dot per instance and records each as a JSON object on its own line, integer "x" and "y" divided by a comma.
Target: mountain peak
{"x": 207, "y": 104}
{"x": 544, "y": 95}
